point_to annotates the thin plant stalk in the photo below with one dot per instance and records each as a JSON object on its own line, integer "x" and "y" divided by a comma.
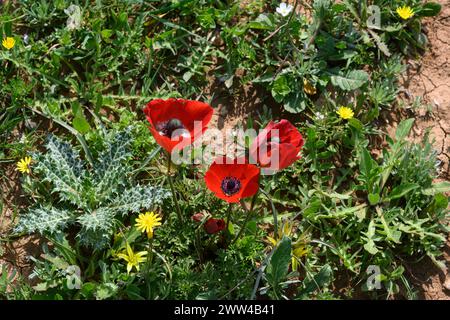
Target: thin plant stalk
{"x": 274, "y": 213}
{"x": 147, "y": 265}
{"x": 228, "y": 216}
{"x": 247, "y": 217}
{"x": 172, "y": 188}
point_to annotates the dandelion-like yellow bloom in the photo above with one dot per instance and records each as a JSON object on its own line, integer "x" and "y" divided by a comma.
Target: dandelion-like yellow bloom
{"x": 405, "y": 12}
{"x": 9, "y": 43}
{"x": 299, "y": 248}
{"x": 345, "y": 113}
{"x": 147, "y": 221}
{"x": 132, "y": 259}
{"x": 308, "y": 87}
{"x": 24, "y": 165}
{"x": 285, "y": 230}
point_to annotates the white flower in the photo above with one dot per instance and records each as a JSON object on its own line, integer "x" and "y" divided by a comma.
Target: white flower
{"x": 23, "y": 139}
{"x": 319, "y": 116}
{"x": 284, "y": 9}
{"x": 74, "y": 19}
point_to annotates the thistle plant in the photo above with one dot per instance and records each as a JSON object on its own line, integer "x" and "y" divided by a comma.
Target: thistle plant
{"x": 91, "y": 199}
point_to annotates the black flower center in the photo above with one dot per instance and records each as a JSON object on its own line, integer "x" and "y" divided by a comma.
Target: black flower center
{"x": 167, "y": 128}
{"x": 230, "y": 185}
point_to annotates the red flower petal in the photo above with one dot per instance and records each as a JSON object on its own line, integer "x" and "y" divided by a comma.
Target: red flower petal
{"x": 213, "y": 225}
{"x": 187, "y": 112}
{"x": 246, "y": 176}
{"x": 285, "y": 143}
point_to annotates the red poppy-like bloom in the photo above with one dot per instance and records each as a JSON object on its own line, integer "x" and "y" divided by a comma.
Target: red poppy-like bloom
{"x": 213, "y": 225}
{"x": 232, "y": 180}
{"x": 277, "y": 146}
{"x": 176, "y": 123}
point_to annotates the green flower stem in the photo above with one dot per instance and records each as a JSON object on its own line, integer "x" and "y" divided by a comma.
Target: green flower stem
{"x": 174, "y": 196}
{"x": 149, "y": 255}
{"x": 148, "y": 263}
{"x": 249, "y": 214}
{"x": 198, "y": 245}
{"x": 228, "y": 216}
{"x": 274, "y": 213}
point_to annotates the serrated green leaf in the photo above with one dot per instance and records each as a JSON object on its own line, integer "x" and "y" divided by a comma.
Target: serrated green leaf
{"x": 81, "y": 124}
{"x": 401, "y": 191}
{"x": 280, "y": 88}
{"x": 279, "y": 262}
{"x": 440, "y": 187}
{"x": 429, "y": 9}
{"x": 318, "y": 281}
{"x": 403, "y": 129}
{"x": 352, "y": 80}
{"x": 262, "y": 22}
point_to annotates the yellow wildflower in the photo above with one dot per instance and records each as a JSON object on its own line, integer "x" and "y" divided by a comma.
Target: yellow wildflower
{"x": 9, "y": 43}
{"x": 285, "y": 230}
{"x": 299, "y": 250}
{"x": 132, "y": 259}
{"x": 146, "y": 222}
{"x": 405, "y": 12}
{"x": 24, "y": 165}
{"x": 345, "y": 113}
{"x": 308, "y": 87}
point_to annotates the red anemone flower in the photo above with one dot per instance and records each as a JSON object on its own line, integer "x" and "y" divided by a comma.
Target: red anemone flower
{"x": 176, "y": 123}
{"x": 213, "y": 225}
{"x": 277, "y": 146}
{"x": 232, "y": 180}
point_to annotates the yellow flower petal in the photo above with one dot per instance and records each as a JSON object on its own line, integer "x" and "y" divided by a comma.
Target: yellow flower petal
{"x": 405, "y": 12}
{"x": 9, "y": 43}
{"x": 146, "y": 222}
{"x": 129, "y": 250}
{"x": 272, "y": 241}
{"x": 345, "y": 113}
{"x": 23, "y": 165}
{"x": 123, "y": 256}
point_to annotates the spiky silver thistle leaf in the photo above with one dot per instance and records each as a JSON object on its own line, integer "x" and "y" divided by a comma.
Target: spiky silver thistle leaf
{"x": 44, "y": 220}
{"x": 101, "y": 219}
{"x": 95, "y": 239}
{"x": 103, "y": 193}
{"x": 97, "y": 228}
{"x": 139, "y": 197}
{"x": 62, "y": 166}
{"x": 110, "y": 170}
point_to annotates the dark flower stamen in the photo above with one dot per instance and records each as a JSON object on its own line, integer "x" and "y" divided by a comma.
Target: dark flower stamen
{"x": 230, "y": 185}
{"x": 167, "y": 128}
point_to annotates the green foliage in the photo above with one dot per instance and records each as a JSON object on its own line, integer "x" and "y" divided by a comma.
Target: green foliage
{"x": 89, "y": 198}
{"x": 88, "y": 67}
{"x": 279, "y": 264}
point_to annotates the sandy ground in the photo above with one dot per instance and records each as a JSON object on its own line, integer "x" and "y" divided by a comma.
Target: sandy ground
{"x": 428, "y": 79}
